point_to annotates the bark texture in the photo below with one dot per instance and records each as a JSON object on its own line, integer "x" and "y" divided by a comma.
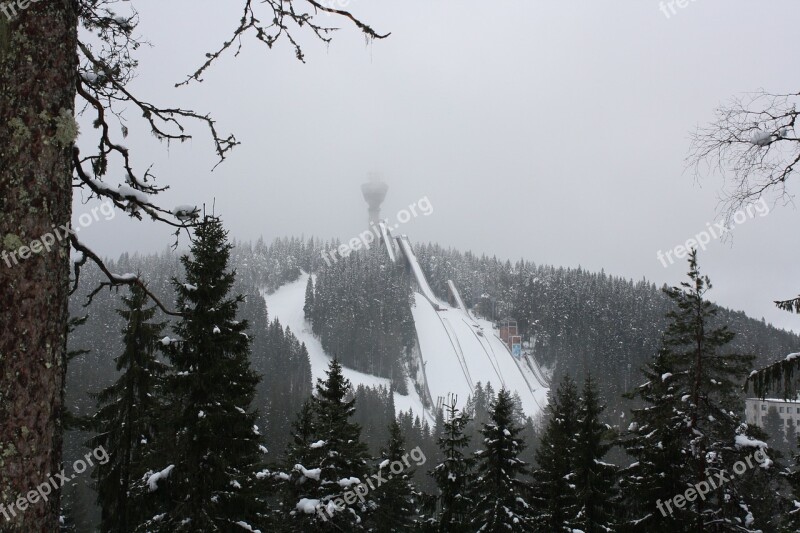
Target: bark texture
{"x": 38, "y": 65}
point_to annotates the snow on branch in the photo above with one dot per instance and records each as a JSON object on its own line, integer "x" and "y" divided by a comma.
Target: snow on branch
{"x": 753, "y": 144}
{"x": 114, "y": 280}
{"x": 779, "y": 376}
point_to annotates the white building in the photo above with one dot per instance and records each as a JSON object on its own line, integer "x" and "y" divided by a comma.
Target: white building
{"x": 757, "y": 409}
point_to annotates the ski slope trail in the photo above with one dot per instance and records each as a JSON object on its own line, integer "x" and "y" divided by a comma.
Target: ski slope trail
{"x": 286, "y": 304}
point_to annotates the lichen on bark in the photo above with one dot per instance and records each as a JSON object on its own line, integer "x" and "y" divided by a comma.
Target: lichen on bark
{"x": 38, "y": 69}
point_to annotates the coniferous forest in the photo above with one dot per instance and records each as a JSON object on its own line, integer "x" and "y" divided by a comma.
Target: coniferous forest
{"x": 216, "y": 424}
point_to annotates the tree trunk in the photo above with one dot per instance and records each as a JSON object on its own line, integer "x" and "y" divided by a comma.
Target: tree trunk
{"x": 38, "y": 69}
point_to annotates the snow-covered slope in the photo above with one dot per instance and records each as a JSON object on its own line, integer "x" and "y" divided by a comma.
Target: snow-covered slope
{"x": 458, "y": 352}
{"x": 286, "y": 304}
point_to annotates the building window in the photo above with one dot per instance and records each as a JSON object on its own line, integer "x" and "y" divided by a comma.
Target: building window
{"x": 763, "y": 407}
{"x": 781, "y": 409}
{"x": 798, "y": 410}
{"x": 789, "y": 421}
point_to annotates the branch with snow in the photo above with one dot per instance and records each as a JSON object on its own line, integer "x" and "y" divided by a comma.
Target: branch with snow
{"x": 114, "y": 280}
{"x": 753, "y": 143}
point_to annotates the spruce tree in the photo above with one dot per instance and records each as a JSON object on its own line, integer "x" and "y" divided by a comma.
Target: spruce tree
{"x": 790, "y": 436}
{"x": 688, "y": 431}
{"x": 396, "y": 497}
{"x": 329, "y": 462}
{"x": 594, "y": 479}
{"x": 298, "y": 451}
{"x": 555, "y": 500}
{"x": 127, "y": 416}
{"x": 301, "y": 434}
{"x": 207, "y": 477}
{"x": 773, "y": 426}
{"x": 499, "y": 491}
{"x": 308, "y": 307}
{"x": 454, "y": 475}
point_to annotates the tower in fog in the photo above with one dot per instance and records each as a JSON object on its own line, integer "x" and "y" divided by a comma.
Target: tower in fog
{"x": 374, "y": 192}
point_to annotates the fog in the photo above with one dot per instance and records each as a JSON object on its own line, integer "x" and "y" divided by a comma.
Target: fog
{"x": 551, "y": 131}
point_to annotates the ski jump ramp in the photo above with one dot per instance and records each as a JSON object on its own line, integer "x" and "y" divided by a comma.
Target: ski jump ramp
{"x": 458, "y": 350}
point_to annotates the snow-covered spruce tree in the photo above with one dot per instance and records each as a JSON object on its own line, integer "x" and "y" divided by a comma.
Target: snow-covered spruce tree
{"x": 331, "y": 460}
{"x": 209, "y": 463}
{"x": 298, "y": 450}
{"x": 499, "y": 491}
{"x": 396, "y": 498}
{"x": 594, "y": 480}
{"x": 654, "y": 441}
{"x": 127, "y": 416}
{"x": 283, "y": 495}
{"x": 454, "y": 475}
{"x": 688, "y": 431}
{"x": 554, "y": 500}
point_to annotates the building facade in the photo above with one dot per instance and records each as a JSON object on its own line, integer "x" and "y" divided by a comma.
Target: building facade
{"x": 757, "y": 409}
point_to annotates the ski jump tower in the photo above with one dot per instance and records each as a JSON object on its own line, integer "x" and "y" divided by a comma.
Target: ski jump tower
{"x": 374, "y": 192}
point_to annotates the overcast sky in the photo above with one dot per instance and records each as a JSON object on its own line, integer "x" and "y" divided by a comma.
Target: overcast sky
{"x": 553, "y": 131}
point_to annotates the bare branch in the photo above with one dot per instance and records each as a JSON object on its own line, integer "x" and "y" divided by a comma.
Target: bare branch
{"x": 104, "y": 74}
{"x": 753, "y": 144}
{"x": 114, "y": 280}
{"x": 282, "y": 14}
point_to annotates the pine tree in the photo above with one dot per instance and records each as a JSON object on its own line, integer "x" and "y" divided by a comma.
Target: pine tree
{"x": 207, "y": 477}
{"x": 454, "y": 474}
{"x": 308, "y": 308}
{"x": 594, "y": 479}
{"x": 396, "y": 497}
{"x": 499, "y": 492}
{"x": 555, "y": 500}
{"x": 688, "y": 431}
{"x": 334, "y": 457}
{"x": 128, "y": 414}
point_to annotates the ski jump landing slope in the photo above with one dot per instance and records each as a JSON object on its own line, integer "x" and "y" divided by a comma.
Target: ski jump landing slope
{"x": 458, "y": 351}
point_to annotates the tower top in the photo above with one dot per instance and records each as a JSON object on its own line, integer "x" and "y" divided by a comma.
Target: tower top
{"x": 374, "y": 192}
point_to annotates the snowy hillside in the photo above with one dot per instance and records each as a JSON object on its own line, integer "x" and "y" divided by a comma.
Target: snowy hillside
{"x": 456, "y": 350}
{"x": 286, "y": 304}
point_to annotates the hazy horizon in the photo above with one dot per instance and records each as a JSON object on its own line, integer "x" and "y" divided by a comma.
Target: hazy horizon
{"x": 558, "y": 134}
